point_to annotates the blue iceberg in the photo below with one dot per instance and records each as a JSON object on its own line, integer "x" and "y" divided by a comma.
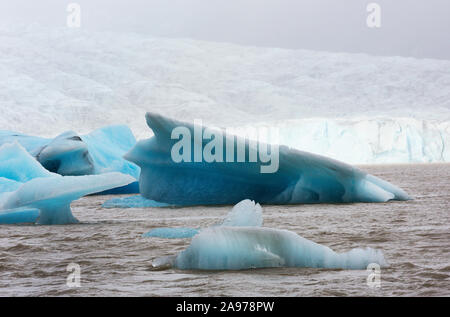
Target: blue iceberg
{"x": 27, "y": 187}
{"x": 246, "y": 213}
{"x": 107, "y": 146}
{"x": 238, "y": 248}
{"x": 17, "y": 166}
{"x": 301, "y": 177}
{"x": 52, "y": 195}
{"x": 66, "y": 155}
{"x": 69, "y": 154}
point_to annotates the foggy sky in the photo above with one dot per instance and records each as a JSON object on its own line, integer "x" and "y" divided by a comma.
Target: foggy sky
{"x": 418, "y": 28}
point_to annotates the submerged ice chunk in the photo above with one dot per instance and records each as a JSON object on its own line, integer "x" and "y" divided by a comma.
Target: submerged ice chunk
{"x": 246, "y": 213}
{"x": 136, "y": 201}
{"x": 171, "y": 233}
{"x": 301, "y": 177}
{"x": 237, "y": 248}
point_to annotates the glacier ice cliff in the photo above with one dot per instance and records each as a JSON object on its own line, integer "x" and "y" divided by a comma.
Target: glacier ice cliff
{"x": 69, "y": 154}
{"x": 30, "y": 193}
{"x": 301, "y": 177}
{"x": 367, "y": 140}
{"x": 237, "y": 248}
{"x": 246, "y": 213}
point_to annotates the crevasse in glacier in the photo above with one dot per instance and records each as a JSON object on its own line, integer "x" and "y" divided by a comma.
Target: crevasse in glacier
{"x": 33, "y": 194}
{"x": 246, "y": 213}
{"x": 301, "y": 177}
{"x": 68, "y": 154}
{"x": 237, "y": 248}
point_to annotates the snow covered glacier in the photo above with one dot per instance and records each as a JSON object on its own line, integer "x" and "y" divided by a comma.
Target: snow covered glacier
{"x": 355, "y": 108}
{"x": 301, "y": 177}
{"x": 30, "y": 193}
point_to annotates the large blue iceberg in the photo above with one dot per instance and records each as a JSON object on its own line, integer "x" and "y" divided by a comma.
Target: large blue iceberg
{"x": 246, "y": 213}
{"x": 30, "y": 193}
{"x": 69, "y": 154}
{"x": 301, "y": 177}
{"x": 237, "y": 248}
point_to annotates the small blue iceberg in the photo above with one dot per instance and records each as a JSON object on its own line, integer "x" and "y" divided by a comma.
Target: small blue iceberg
{"x": 30, "y": 193}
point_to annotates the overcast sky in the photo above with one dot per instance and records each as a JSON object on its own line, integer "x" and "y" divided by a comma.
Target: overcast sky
{"x": 418, "y": 28}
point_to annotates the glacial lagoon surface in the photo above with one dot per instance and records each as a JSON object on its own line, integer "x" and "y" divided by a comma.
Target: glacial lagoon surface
{"x": 115, "y": 260}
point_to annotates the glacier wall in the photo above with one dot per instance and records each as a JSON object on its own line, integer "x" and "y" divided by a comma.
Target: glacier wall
{"x": 367, "y": 140}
